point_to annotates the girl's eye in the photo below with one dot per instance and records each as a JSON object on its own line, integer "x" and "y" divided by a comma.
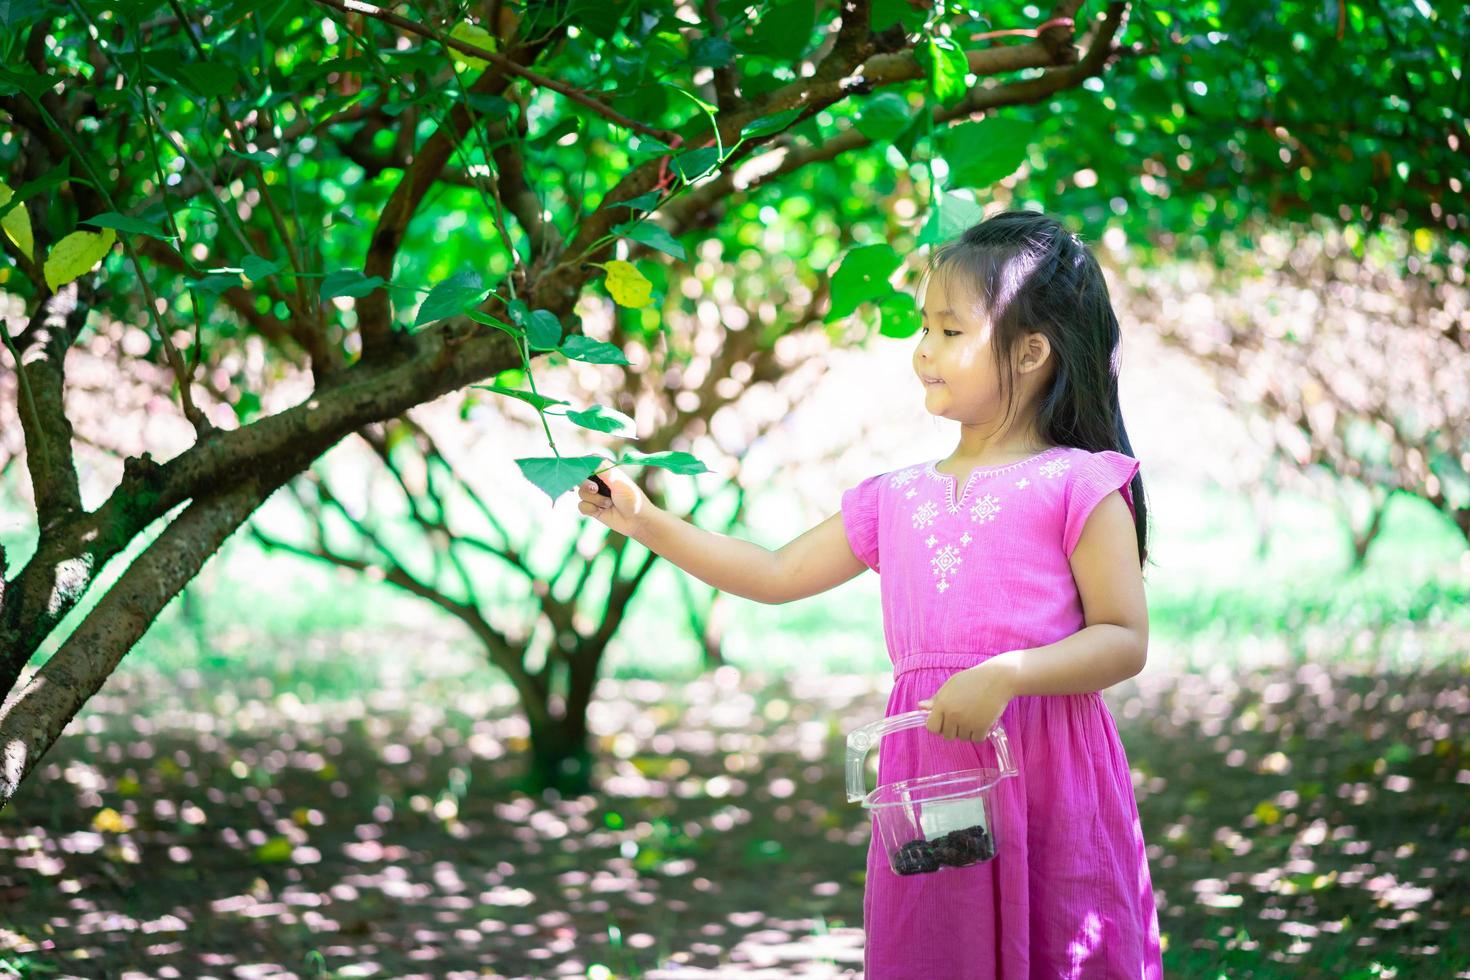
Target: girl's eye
{"x": 947, "y": 333}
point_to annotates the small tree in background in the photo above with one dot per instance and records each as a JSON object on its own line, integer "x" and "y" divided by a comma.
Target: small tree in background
{"x": 551, "y": 633}
{"x": 1352, "y": 370}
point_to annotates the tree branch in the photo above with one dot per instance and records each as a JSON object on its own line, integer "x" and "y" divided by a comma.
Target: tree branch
{"x": 506, "y": 65}
{"x": 40, "y": 357}
{"x": 685, "y": 213}
{"x": 860, "y": 67}
{"x": 375, "y": 315}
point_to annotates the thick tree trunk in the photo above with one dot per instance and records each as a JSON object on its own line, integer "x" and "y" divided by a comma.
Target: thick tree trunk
{"x": 33, "y": 717}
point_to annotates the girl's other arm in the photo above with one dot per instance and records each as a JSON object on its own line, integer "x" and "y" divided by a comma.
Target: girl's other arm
{"x": 1112, "y": 646}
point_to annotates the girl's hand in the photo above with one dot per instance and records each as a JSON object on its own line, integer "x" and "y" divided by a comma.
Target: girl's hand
{"x": 625, "y": 511}
{"x": 969, "y": 704}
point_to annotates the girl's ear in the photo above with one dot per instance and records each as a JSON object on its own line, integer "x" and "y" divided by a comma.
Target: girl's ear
{"x": 1034, "y": 350}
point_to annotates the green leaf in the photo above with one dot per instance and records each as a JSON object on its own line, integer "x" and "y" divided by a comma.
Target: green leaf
{"x": 17, "y": 224}
{"x": 675, "y": 462}
{"x": 886, "y": 13}
{"x": 529, "y": 397}
{"x": 946, "y": 67}
{"x": 900, "y": 315}
{"x": 883, "y": 117}
{"x": 453, "y": 296}
{"x": 257, "y": 268}
{"x": 767, "y": 125}
{"x": 133, "y": 226}
{"x": 258, "y": 156}
{"x": 207, "y": 78}
{"x": 863, "y": 276}
{"x": 15, "y": 14}
{"x": 643, "y": 202}
{"x": 784, "y": 30}
{"x": 555, "y": 475}
{"x": 54, "y": 177}
{"x": 709, "y": 110}
{"x": 543, "y": 330}
{"x": 332, "y": 105}
{"x": 215, "y": 283}
{"x": 580, "y": 348}
{"x": 652, "y": 235}
{"x": 490, "y": 321}
{"x": 642, "y": 143}
{"x": 600, "y": 418}
{"x": 918, "y": 127}
{"x": 75, "y": 255}
{"x": 472, "y": 34}
{"x": 981, "y": 153}
{"x": 28, "y": 82}
{"x": 488, "y": 106}
{"x": 954, "y": 212}
{"x": 348, "y": 282}
{"x": 696, "y": 163}
{"x": 277, "y": 850}
{"x": 712, "y": 52}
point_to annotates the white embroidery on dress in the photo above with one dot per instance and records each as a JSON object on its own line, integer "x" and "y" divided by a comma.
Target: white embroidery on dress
{"x": 909, "y": 493}
{"x": 904, "y": 476}
{"x": 945, "y": 561}
{"x": 985, "y": 509}
{"x": 1054, "y": 468}
{"x": 944, "y": 564}
{"x": 925, "y": 515}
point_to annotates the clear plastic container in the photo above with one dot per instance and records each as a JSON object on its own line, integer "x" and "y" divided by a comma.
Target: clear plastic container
{"x": 927, "y": 824}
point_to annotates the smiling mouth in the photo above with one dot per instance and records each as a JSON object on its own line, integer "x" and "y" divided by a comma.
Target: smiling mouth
{"x": 930, "y": 381}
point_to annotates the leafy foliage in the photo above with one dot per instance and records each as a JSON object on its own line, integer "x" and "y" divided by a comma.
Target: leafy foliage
{"x": 413, "y": 199}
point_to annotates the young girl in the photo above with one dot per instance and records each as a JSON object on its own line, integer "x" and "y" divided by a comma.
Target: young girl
{"x": 1012, "y": 589}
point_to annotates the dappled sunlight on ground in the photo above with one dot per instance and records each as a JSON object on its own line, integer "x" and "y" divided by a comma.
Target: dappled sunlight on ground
{"x": 1301, "y": 821}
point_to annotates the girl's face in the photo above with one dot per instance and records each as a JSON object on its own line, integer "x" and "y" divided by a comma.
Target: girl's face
{"x": 955, "y": 349}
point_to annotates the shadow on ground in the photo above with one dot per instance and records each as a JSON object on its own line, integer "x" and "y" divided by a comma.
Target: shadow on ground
{"x": 1302, "y": 821}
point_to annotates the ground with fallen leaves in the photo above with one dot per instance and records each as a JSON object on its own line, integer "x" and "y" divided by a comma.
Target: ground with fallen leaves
{"x": 1302, "y": 820}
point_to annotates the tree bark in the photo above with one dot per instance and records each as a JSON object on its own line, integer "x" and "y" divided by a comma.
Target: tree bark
{"x": 33, "y": 717}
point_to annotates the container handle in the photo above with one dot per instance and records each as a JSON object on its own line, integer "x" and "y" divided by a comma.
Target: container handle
{"x": 860, "y": 740}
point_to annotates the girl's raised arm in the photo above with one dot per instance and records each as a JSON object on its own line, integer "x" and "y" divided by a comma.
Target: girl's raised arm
{"x": 817, "y": 560}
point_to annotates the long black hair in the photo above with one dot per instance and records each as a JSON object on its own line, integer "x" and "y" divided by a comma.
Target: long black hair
{"x": 1031, "y": 275}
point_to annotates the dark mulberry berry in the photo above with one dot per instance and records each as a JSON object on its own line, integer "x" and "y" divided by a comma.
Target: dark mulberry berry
{"x": 964, "y": 847}
{"x": 915, "y": 857}
{"x": 953, "y": 851}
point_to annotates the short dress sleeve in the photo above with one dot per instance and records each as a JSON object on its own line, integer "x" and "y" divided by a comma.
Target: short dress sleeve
{"x": 1098, "y": 475}
{"x": 860, "y": 520}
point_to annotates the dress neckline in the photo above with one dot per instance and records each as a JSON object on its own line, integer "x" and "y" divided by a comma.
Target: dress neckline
{"x": 952, "y": 481}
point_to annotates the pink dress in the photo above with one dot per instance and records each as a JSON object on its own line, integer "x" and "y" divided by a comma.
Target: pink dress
{"x": 971, "y": 573}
